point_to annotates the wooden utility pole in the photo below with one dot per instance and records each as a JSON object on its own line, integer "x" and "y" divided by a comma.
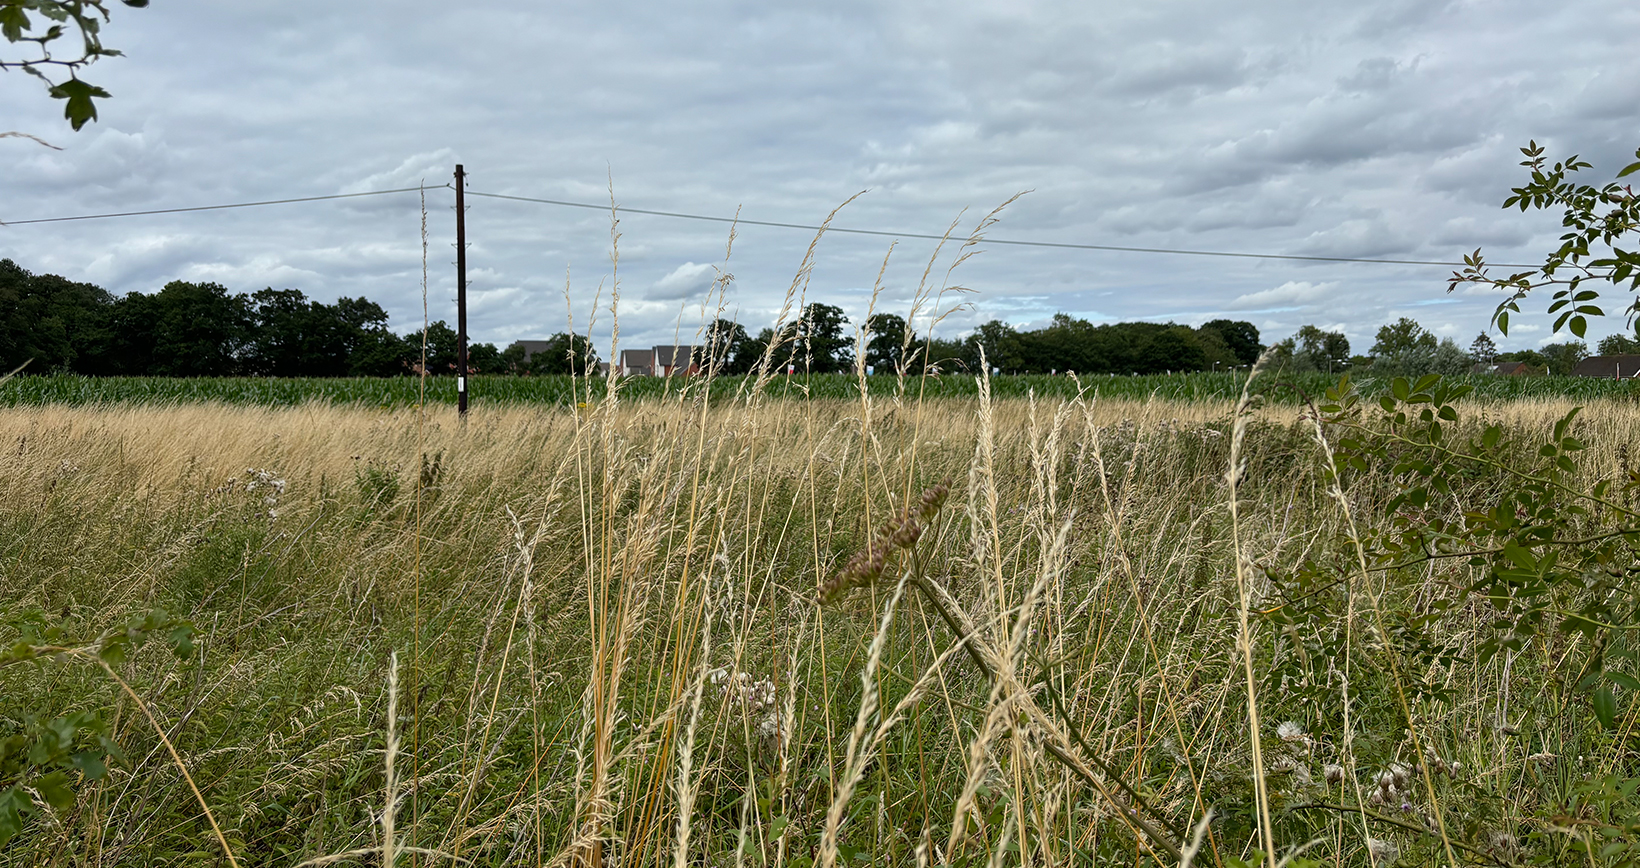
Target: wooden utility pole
{"x": 461, "y": 292}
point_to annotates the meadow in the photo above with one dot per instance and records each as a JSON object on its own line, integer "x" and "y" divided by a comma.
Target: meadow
{"x": 705, "y": 629}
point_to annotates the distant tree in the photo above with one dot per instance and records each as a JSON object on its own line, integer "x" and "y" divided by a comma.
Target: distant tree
{"x": 184, "y": 330}
{"x": 1171, "y": 348}
{"x": 1561, "y": 358}
{"x": 60, "y": 324}
{"x": 1240, "y": 337}
{"x": 1218, "y": 355}
{"x": 885, "y": 342}
{"x": 822, "y": 346}
{"x": 1002, "y": 346}
{"x": 1449, "y": 359}
{"x": 780, "y": 347}
{"x": 380, "y": 353}
{"x": 1532, "y": 358}
{"x": 1618, "y": 345}
{"x": 1403, "y": 348}
{"x": 941, "y": 356}
{"x": 371, "y": 350}
{"x": 293, "y": 336}
{"x": 564, "y": 354}
{"x": 441, "y": 347}
{"x": 1483, "y": 350}
{"x": 1321, "y": 350}
{"x": 731, "y": 350}
{"x": 1402, "y": 337}
{"x": 484, "y": 358}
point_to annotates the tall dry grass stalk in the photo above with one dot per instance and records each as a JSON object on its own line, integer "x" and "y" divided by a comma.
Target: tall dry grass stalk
{"x": 1233, "y": 479}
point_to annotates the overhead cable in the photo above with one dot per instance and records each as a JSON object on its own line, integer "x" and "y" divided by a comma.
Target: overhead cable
{"x": 218, "y": 207}
{"x": 988, "y": 240}
{"x": 777, "y": 224}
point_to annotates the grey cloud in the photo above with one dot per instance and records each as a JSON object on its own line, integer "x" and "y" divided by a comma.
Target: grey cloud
{"x": 1281, "y": 127}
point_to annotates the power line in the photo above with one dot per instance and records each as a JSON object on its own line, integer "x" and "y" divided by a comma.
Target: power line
{"x": 780, "y": 225}
{"x": 218, "y": 207}
{"x": 988, "y": 240}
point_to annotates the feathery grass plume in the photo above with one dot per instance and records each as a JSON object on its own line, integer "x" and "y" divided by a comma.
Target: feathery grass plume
{"x": 390, "y": 803}
{"x": 1244, "y": 639}
{"x": 900, "y": 532}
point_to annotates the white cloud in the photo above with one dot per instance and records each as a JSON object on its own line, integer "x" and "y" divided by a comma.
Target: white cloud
{"x": 1288, "y": 295}
{"x": 684, "y": 281}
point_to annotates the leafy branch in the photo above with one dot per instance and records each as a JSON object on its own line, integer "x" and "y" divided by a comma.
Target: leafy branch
{"x": 84, "y": 16}
{"x": 44, "y": 760}
{"x": 1597, "y": 219}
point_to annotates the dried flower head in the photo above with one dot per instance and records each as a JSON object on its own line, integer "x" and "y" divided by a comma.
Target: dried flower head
{"x": 1291, "y": 732}
{"x": 900, "y": 532}
{"x": 1334, "y": 773}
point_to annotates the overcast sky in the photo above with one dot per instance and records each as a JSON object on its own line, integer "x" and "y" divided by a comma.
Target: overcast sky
{"x": 1376, "y": 129}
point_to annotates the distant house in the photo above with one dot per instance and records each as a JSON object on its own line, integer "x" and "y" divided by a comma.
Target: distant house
{"x": 1618, "y": 367}
{"x": 1508, "y": 369}
{"x": 532, "y": 347}
{"x": 661, "y": 361}
{"x": 677, "y": 359}
{"x": 638, "y": 363}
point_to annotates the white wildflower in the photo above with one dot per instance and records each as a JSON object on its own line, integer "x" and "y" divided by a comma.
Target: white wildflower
{"x": 1382, "y": 852}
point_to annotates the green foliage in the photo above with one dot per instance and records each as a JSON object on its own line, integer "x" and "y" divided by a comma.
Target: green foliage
{"x": 1550, "y": 555}
{"x": 87, "y": 17}
{"x": 1561, "y": 358}
{"x": 1617, "y": 345}
{"x": 1240, "y": 337}
{"x": 729, "y": 350}
{"x": 1312, "y": 349}
{"x": 1599, "y": 221}
{"x": 820, "y": 344}
{"x": 53, "y": 757}
{"x": 887, "y": 337}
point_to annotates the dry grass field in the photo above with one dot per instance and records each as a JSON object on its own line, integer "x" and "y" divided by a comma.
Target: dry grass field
{"x": 595, "y": 637}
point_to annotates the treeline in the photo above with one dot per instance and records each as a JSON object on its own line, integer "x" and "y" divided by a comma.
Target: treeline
{"x": 202, "y": 330}
{"x": 820, "y": 341}
{"x": 1406, "y": 348}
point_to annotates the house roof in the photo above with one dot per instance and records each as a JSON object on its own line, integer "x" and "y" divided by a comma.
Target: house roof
{"x": 671, "y": 355}
{"x": 1611, "y": 367}
{"x": 637, "y": 358}
{"x": 532, "y": 347}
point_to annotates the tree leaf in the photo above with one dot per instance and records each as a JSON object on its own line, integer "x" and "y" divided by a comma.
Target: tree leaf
{"x": 1605, "y": 707}
{"x": 79, "y": 94}
{"x": 1623, "y": 680}
{"x": 13, "y": 21}
{"x": 58, "y": 793}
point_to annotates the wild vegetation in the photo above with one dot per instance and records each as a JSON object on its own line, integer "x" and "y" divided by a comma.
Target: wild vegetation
{"x": 593, "y": 636}
{"x": 1351, "y": 627}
